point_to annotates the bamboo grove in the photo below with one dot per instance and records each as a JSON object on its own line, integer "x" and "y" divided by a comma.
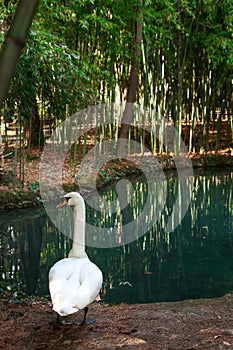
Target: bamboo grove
{"x": 175, "y": 56}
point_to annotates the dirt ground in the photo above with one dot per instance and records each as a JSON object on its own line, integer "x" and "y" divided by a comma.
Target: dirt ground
{"x": 191, "y": 324}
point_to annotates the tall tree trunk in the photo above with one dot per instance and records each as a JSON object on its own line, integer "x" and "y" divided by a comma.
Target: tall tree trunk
{"x": 35, "y": 128}
{"x": 1, "y": 157}
{"x": 178, "y": 123}
{"x": 133, "y": 84}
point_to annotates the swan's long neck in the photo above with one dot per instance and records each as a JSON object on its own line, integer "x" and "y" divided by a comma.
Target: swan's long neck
{"x": 78, "y": 247}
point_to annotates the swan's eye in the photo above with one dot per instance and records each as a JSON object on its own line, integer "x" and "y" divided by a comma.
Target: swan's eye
{"x": 67, "y": 198}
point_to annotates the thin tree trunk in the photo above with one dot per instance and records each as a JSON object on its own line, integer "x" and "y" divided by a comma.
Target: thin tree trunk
{"x": 15, "y": 42}
{"x": 36, "y": 135}
{"x": 1, "y": 158}
{"x": 133, "y": 85}
{"x": 178, "y": 123}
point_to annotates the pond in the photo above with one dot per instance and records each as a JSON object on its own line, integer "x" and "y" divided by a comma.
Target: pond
{"x": 192, "y": 261}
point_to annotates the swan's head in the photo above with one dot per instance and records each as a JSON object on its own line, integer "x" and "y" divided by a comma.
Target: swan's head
{"x": 71, "y": 199}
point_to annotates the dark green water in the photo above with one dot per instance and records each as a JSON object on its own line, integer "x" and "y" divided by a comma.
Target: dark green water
{"x": 193, "y": 261}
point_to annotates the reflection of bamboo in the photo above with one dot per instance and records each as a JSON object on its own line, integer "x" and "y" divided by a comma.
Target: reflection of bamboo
{"x": 127, "y": 217}
{"x": 30, "y": 244}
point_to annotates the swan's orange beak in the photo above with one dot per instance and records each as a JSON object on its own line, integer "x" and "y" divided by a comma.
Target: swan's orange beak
{"x": 63, "y": 203}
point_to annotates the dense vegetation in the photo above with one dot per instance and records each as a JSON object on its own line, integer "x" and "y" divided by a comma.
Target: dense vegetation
{"x": 174, "y": 57}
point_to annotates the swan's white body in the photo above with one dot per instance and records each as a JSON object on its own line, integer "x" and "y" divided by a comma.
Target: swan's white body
{"x": 74, "y": 282}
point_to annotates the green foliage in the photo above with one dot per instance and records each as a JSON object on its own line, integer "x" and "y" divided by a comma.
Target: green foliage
{"x": 81, "y": 52}
{"x": 51, "y": 73}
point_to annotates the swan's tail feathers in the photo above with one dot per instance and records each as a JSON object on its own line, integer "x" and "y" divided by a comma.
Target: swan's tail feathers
{"x": 59, "y": 291}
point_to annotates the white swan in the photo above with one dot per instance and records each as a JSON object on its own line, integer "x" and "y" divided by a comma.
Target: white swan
{"x": 74, "y": 282}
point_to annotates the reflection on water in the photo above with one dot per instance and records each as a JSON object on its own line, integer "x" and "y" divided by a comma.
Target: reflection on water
{"x": 193, "y": 261}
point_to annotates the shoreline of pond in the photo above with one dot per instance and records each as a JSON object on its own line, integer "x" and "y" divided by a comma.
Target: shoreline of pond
{"x": 15, "y": 197}
{"x": 194, "y": 323}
